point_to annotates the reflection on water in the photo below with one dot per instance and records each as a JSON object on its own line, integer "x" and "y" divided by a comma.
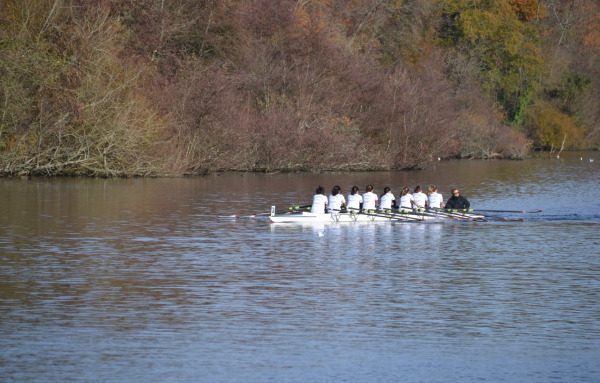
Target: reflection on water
{"x": 138, "y": 280}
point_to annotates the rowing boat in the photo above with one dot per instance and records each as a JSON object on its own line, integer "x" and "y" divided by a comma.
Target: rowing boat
{"x": 334, "y": 217}
{"x": 349, "y": 217}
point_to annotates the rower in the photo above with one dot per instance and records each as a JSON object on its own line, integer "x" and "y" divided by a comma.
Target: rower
{"x": 457, "y": 201}
{"x": 419, "y": 198}
{"x": 319, "y": 203}
{"x": 387, "y": 200}
{"x": 354, "y": 200}
{"x": 434, "y": 199}
{"x": 369, "y": 200}
{"x": 336, "y": 199}
{"x": 406, "y": 199}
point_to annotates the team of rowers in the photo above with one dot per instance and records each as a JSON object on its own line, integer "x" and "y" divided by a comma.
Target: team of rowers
{"x": 370, "y": 202}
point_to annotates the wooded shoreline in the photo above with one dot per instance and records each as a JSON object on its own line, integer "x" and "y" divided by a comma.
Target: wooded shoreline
{"x": 123, "y": 88}
{"x": 548, "y": 154}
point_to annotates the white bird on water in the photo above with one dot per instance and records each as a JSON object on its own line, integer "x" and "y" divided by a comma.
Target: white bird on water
{"x": 591, "y": 160}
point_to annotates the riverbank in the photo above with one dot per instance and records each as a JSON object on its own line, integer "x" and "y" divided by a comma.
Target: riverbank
{"x": 583, "y": 155}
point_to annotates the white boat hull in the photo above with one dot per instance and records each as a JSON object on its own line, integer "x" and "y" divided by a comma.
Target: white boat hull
{"x": 346, "y": 217}
{"x": 338, "y": 217}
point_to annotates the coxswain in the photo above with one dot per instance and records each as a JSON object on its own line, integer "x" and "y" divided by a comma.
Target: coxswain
{"x": 354, "y": 200}
{"x": 457, "y": 201}
{"x": 337, "y": 201}
{"x": 319, "y": 203}
{"x": 369, "y": 199}
{"x": 406, "y": 199}
{"x": 387, "y": 200}
{"x": 434, "y": 199}
{"x": 420, "y": 198}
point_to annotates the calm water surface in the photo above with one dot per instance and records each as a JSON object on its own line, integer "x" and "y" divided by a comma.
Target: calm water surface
{"x": 140, "y": 281}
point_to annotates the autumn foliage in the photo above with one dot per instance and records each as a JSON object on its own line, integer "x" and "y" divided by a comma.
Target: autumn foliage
{"x": 124, "y": 87}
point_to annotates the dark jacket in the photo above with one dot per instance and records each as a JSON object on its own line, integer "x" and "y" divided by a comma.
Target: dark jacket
{"x": 459, "y": 202}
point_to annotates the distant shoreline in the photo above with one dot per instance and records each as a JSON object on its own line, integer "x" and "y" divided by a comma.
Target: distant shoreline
{"x": 583, "y": 154}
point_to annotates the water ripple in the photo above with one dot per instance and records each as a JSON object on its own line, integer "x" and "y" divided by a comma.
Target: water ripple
{"x": 158, "y": 289}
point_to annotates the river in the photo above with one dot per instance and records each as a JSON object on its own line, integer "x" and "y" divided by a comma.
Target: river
{"x": 140, "y": 280}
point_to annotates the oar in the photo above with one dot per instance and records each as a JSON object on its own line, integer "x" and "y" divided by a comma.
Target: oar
{"x": 403, "y": 211}
{"x": 406, "y": 212}
{"x": 417, "y": 210}
{"x": 506, "y": 211}
{"x": 490, "y": 211}
{"x": 456, "y": 214}
{"x": 391, "y": 215}
{"x": 442, "y": 213}
{"x": 495, "y": 217}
